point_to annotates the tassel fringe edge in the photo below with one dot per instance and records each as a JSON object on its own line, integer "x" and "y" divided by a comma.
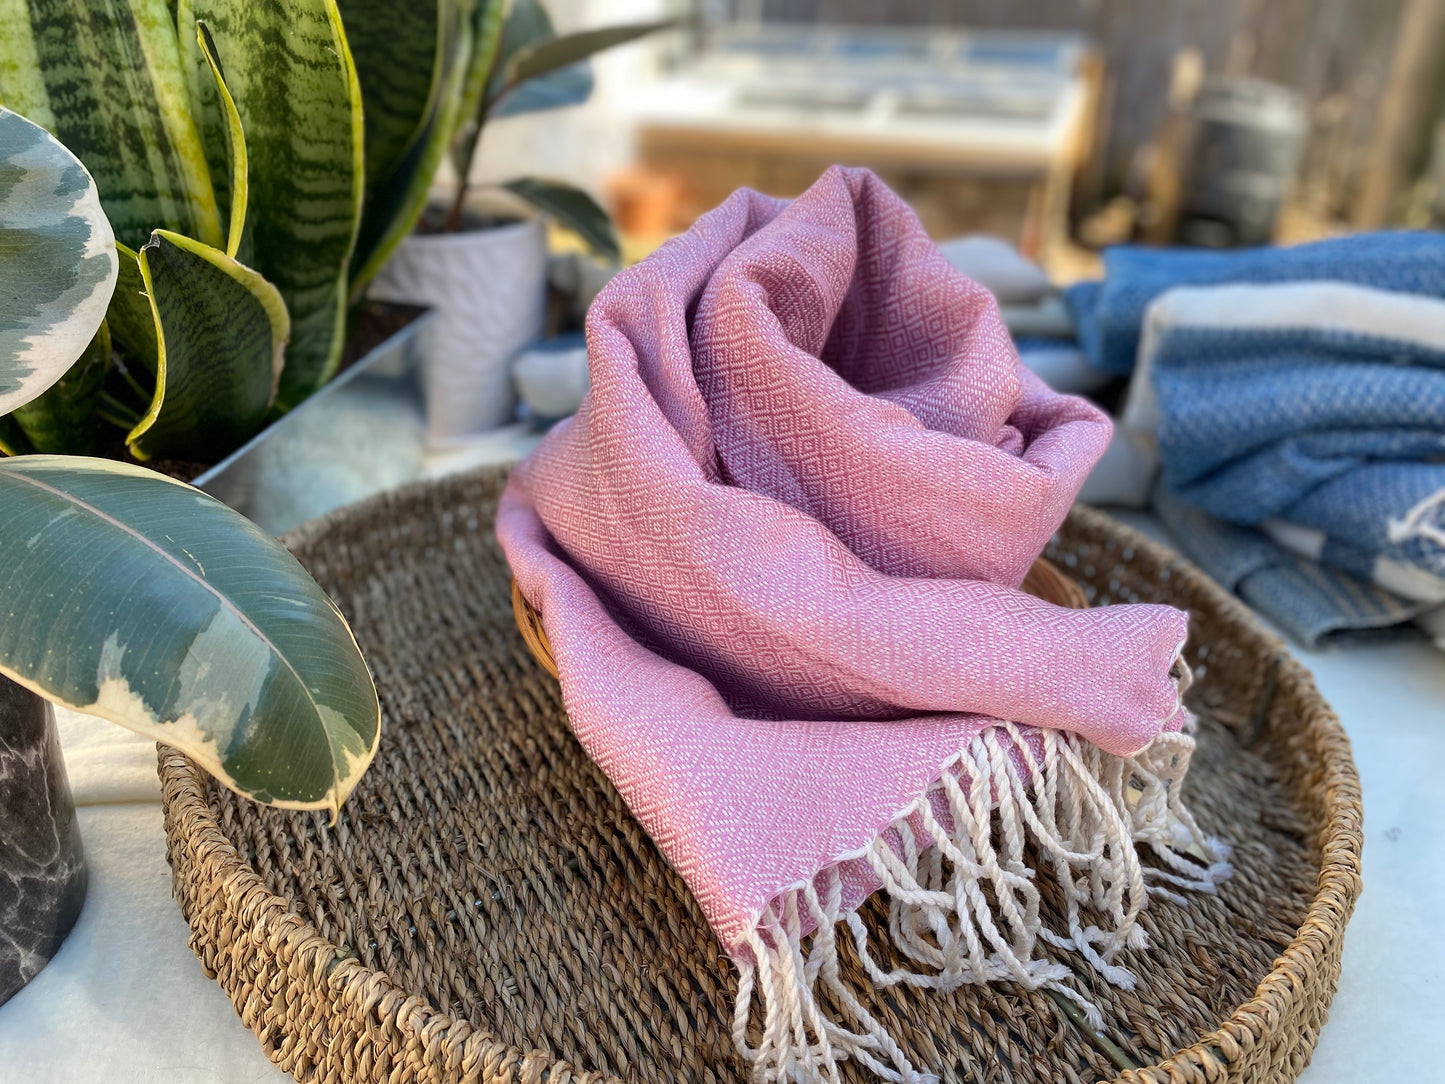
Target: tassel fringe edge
{"x": 963, "y": 905}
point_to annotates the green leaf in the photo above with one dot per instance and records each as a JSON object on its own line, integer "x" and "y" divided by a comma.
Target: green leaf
{"x": 222, "y": 340}
{"x": 237, "y": 162}
{"x": 58, "y": 261}
{"x": 543, "y": 57}
{"x": 63, "y": 420}
{"x": 106, "y": 79}
{"x": 568, "y": 86}
{"x": 572, "y": 208}
{"x": 290, "y": 72}
{"x": 129, "y": 596}
{"x": 528, "y": 25}
{"x": 396, "y": 201}
{"x": 487, "y": 23}
{"x": 401, "y": 53}
{"x": 132, "y": 323}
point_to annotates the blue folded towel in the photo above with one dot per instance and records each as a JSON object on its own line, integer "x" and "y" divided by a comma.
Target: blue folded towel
{"x": 1313, "y": 604}
{"x": 1108, "y": 314}
{"x": 1315, "y": 412}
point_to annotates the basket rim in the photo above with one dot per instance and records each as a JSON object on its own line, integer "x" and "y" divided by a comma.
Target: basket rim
{"x": 1291, "y": 977}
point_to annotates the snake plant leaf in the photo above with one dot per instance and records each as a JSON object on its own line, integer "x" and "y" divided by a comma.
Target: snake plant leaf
{"x": 290, "y": 72}
{"x": 237, "y": 163}
{"x": 222, "y": 330}
{"x": 401, "y": 53}
{"x": 222, "y": 137}
{"x": 572, "y": 208}
{"x": 396, "y": 200}
{"x": 58, "y": 261}
{"x": 63, "y": 420}
{"x": 105, "y": 77}
{"x": 127, "y": 595}
{"x": 132, "y": 324}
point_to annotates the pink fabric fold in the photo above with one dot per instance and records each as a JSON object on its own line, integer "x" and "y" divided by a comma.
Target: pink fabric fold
{"x": 777, "y": 551}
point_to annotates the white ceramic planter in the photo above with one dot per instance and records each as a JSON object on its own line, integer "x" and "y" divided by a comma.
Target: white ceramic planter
{"x": 489, "y": 290}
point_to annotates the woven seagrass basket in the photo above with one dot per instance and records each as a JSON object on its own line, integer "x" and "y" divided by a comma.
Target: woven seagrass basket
{"x": 486, "y": 909}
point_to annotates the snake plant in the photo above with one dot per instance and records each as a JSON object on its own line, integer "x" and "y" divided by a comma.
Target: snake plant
{"x": 258, "y": 161}
{"x": 127, "y": 595}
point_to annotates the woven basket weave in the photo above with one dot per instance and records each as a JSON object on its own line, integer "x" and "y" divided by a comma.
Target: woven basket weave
{"x": 486, "y": 909}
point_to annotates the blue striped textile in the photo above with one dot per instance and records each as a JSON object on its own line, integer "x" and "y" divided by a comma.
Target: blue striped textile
{"x": 1108, "y": 315}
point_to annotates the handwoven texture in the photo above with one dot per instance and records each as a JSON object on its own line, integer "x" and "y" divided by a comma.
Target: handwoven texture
{"x": 1312, "y": 603}
{"x": 1312, "y": 411}
{"x": 1109, "y": 315}
{"x": 486, "y": 909}
{"x": 1044, "y": 581}
{"x": 809, "y": 441}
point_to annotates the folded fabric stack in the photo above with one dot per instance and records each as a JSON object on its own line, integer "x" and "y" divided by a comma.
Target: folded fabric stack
{"x": 777, "y": 554}
{"x": 1297, "y": 397}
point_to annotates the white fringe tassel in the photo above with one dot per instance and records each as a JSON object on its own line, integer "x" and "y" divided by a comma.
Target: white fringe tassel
{"x": 963, "y": 904}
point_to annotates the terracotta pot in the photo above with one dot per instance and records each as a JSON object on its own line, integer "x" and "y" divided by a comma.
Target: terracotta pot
{"x": 42, "y": 865}
{"x": 489, "y": 289}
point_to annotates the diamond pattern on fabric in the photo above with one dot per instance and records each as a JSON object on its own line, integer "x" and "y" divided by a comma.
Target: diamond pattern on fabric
{"x": 777, "y": 550}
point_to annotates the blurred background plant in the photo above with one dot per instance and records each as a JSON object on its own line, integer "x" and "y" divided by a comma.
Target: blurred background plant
{"x": 475, "y": 259}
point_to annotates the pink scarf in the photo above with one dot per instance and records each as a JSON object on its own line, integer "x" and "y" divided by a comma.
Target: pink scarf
{"x": 777, "y": 554}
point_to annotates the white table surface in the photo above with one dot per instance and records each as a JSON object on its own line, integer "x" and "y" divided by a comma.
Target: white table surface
{"x": 125, "y": 1002}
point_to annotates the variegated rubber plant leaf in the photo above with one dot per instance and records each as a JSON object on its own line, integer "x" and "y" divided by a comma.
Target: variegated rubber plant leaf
{"x": 222, "y": 337}
{"x": 129, "y": 596}
{"x": 291, "y": 76}
{"x": 106, "y": 79}
{"x": 58, "y": 261}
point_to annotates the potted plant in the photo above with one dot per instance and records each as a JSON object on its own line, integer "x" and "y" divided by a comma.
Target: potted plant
{"x": 486, "y": 276}
{"x": 258, "y": 165}
{"x": 130, "y": 596}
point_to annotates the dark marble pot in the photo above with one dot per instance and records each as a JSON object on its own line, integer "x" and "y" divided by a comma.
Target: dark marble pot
{"x": 42, "y": 866}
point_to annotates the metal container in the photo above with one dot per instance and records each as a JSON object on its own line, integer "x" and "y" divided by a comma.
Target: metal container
{"x": 1246, "y": 140}
{"x": 362, "y": 433}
